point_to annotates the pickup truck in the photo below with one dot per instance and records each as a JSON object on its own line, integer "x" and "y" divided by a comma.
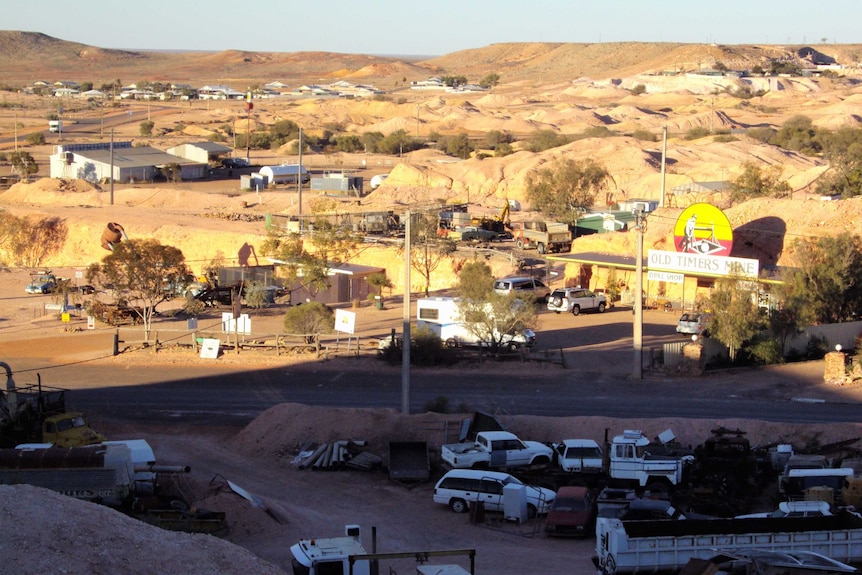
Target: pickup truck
{"x": 42, "y": 283}
{"x": 496, "y": 449}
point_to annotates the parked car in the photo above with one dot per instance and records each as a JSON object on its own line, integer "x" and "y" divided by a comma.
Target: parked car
{"x": 694, "y": 323}
{"x": 524, "y": 288}
{"x": 459, "y": 487}
{"x": 573, "y": 513}
{"x": 576, "y": 300}
{"x": 42, "y": 283}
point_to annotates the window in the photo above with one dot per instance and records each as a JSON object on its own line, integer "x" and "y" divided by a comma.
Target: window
{"x": 429, "y": 313}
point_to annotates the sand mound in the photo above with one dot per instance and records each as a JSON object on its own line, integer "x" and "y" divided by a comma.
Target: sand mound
{"x": 86, "y": 538}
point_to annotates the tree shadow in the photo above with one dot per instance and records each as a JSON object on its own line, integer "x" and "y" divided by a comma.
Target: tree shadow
{"x": 761, "y": 239}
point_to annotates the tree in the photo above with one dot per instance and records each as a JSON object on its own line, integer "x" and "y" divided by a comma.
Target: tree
{"x": 28, "y": 240}
{"x": 565, "y": 189}
{"x": 428, "y": 251}
{"x": 23, "y": 164}
{"x": 735, "y": 317}
{"x": 490, "y": 80}
{"x": 756, "y": 182}
{"x": 493, "y": 318}
{"x": 380, "y": 280}
{"x": 309, "y": 319}
{"x": 172, "y": 172}
{"x": 542, "y": 140}
{"x": 143, "y": 273}
{"x": 826, "y": 277}
{"x": 475, "y": 280}
{"x": 36, "y": 139}
{"x": 638, "y": 89}
{"x": 146, "y": 128}
{"x": 843, "y": 150}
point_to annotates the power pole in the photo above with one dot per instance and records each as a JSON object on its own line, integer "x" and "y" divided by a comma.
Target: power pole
{"x": 405, "y": 341}
{"x": 299, "y": 177}
{"x": 637, "y": 338}
{"x": 663, "y": 157}
{"x": 112, "y": 166}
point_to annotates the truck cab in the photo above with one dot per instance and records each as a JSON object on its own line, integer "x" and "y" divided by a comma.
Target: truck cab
{"x": 330, "y": 556}
{"x": 69, "y": 430}
{"x": 631, "y": 461}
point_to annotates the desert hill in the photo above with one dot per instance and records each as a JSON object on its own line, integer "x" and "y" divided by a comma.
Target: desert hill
{"x": 525, "y": 64}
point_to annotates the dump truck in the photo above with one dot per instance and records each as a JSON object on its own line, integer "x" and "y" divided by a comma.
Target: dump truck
{"x": 666, "y": 545}
{"x": 545, "y": 237}
{"x": 37, "y": 413}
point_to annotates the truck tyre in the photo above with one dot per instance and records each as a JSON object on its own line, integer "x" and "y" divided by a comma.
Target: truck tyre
{"x": 540, "y": 247}
{"x": 451, "y": 343}
{"x": 513, "y": 346}
{"x": 531, "y": 511}
{"x": 458, "y": 505}
{"x": 602, "y": 307}
{"x": 520, "y": 244}
{"x": 576, "y": 309}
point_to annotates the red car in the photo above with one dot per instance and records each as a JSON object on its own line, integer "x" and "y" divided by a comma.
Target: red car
{"x": 573, "y": 513}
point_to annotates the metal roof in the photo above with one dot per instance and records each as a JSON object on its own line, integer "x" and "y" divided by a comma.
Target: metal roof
{"x": 134, "y": 157}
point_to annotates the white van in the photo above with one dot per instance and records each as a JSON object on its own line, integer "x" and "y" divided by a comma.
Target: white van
{"x": 461, "y": 486}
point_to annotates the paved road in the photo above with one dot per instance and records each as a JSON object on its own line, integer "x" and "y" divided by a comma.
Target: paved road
{"x": 172, "y": 393}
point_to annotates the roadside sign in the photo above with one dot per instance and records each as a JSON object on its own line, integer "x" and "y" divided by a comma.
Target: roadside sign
{"x": 669, "y": 277}
{"x": 66, "y": 317}
{"x": 91, "y": 322}
{"x": 209, "y": 348}
{"x": 345, "y": 321}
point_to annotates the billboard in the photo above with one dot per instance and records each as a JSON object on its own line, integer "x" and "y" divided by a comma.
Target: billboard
{"x": 703, "y": 229}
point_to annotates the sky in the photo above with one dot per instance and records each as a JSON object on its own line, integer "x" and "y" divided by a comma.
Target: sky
{"x": 430, "y": 27}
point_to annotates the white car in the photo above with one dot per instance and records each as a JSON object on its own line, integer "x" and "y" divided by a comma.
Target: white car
{"x": 459, "y": 487}
{"x": 576, "y": 300}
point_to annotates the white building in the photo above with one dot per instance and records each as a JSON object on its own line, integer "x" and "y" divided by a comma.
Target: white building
{"x": 93, "y": 162}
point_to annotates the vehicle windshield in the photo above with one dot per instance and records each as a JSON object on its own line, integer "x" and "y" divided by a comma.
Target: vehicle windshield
{"x": 583, "y": 452}
{"x": 570, "y": 504}
{"x": 511, "y": 481}
{"x": 501, "y": 285}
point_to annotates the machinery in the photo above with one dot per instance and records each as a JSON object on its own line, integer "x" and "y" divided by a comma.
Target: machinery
{"x": 37, "y": 413}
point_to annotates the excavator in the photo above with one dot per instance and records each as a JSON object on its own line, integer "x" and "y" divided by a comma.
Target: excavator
{"x": 499, "y": 224}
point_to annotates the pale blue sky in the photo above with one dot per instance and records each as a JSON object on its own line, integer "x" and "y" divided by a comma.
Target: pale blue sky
{"x": 429, "y": 27}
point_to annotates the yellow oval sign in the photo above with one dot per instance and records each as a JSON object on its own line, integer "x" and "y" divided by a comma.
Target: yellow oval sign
{"x": 703, "y": 229}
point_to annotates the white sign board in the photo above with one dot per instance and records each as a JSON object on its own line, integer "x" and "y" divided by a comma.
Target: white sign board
{"x": 697, "y": 264}
{"x": 668, "y": 277}
{"x": 230, "y": 324}
{"x": 91, "y": 322}
{"x": 209, "y": 348}
{"x": 345, "y": 321}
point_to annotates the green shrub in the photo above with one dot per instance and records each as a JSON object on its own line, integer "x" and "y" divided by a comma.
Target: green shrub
{"x": 644, "y": 135}
{"x": 696, "y": 132}
{"x": 765, "y": 349}
{"x": 725, "y": 138}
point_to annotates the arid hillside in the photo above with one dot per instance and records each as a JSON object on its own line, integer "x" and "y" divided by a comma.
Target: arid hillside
{"x": 30, "y": 56}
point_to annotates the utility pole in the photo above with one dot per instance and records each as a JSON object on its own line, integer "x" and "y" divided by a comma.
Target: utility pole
{"x": 111, "y": 147}
{"x": 637, "y": 338}
{"x": 405, "y": 330}
{"x": 299, "y": 177}
{"x": 248, "y": 108}
{"x": 663, "y": 158}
